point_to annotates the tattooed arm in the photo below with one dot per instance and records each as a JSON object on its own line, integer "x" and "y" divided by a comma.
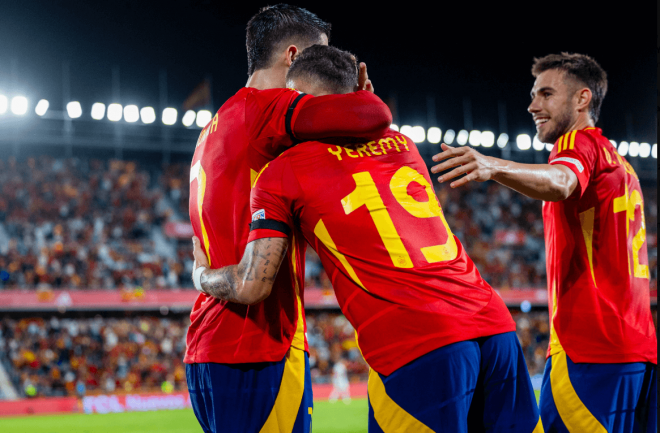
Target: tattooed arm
{"x": 248, "y": 282}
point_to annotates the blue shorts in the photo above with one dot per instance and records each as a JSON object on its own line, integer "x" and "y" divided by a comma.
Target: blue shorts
{"x": 478, "y": 385}
{"x": 260, "y": 397}
{"x": 602, "y": 398}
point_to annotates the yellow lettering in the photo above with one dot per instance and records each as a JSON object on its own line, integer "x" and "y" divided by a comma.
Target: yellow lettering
{"x": 362, "y": 148}
{"x": 337, "y": 153}
{"x": 214, "y": 124}
{"x": 401, "y": 139}
{"x": 387, "y": 141}
{"x": 348, "y": 152}
{"x": 607, "y": 155}
{"x": 374, "y": 149}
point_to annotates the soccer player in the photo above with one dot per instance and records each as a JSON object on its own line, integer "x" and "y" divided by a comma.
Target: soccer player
{"x": 340, "y": 385}
{"x": 600, "y": 375}
{"x": 440, "y": 342}
{"x": 247, "y": 367}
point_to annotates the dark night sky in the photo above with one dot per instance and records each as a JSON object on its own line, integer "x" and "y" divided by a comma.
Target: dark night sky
{"x": 457, "y": 50}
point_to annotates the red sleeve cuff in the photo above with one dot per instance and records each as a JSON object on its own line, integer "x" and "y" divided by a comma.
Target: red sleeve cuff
{"x": 577, "y": 167}
{"x": 265, "y": 233}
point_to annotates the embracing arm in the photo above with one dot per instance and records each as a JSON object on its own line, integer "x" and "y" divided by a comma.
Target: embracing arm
{"x": 548, "y": 182}
{"x": 248, "y": 282}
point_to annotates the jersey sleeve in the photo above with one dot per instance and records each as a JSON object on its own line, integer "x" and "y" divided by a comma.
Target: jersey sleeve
{"x": 576, "y": 150}
{"x": 271, "y": 202}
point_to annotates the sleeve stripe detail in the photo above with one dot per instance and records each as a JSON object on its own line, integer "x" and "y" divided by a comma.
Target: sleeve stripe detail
{"x": 289, "y": 115}
{"x": 573, "y": 161}
{"x": 270, "y": 225}
{"x": 559, "y": 143}
{"x": 572, "y": 140}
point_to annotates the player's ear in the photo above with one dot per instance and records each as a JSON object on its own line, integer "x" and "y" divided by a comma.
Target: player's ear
{"x": 583, "y": 99}
{"x": 291, "y": 54}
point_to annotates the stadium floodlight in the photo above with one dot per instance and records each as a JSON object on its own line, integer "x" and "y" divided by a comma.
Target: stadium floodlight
{"x": 434, "y": 135}
{"x": 449, "y": 136}
{"x": 536, "y": 144}
{"x": 394, "y": 127}
{"x": 613, "y": 143}
{"x": 148, "y": 115}
{"x": 418, "y": 134}
{"x": 19, "y": 105}
{"x": 131, "y": 113}
{"x": 487, "y": 139}
{"x": 98, "y": 111}
{"x": 523, "y": 141}
{"x": 188, "y": 118}
{"x": 644, "y": 150}
{"x": 633, "y": 149}
{"x": 203, "y": 118}
{"x": 41, "y": 108}
{"x": 623, "y": 148}
{"x": 114, "y": 112}
{"x": 462, "y": 137}
{"x": 654, "y": 150}
{"x": 406, "y": 130}
{"x": 502, "y": 140}
{"x": 3, "y": 104}
{"x": 549, "y": 146}
{"x": 169, "y": 116}
{"x": 475, "y": 138}
{"x": 73, "y": 109}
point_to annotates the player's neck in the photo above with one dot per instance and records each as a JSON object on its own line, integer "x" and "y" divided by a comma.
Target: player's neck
{"x": 582, "y": 121}
{"x": 271, "y": 78}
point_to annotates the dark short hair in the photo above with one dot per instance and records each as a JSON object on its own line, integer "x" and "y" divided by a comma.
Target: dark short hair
{"x": 331, "y": 68}
{"x": 579, "y": 67}
{"x": 274, "y": 25}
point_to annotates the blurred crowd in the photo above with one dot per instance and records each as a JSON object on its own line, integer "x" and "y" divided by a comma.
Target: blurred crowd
{"x": 90, "y": 224}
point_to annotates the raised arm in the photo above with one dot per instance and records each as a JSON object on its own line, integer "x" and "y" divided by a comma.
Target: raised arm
{"x": 248, "y": 282}
{"x": 548, "y": 182}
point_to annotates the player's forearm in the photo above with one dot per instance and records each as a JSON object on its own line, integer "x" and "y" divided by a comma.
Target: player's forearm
{"x": 359, "y": 114}
{"x": 538, "y": 181}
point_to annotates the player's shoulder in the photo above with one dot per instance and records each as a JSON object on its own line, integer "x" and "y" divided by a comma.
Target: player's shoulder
{"x": 578, "y": 139}
{"x": 270, "y": 94}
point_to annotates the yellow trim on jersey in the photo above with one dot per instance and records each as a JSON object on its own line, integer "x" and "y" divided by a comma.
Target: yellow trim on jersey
{"x": 390, "y": 416}
{"x": 560, "y": 143}
{"x": 621, "y": 205}
{"x": 539, "y": 427}
{"x": 253, "y": 178}
{"x": 572, "y": 142}
{"x": 258, "y": 174}
{"x": 201, "y": 189}
{"x": 287, "y": 403}
{"x": 574, "y": 414}
{"x": 298, "y": 340}
{"x": 555, "y": 345}
{"x": 322, "y": 233}
{"x": 587, "y": 223}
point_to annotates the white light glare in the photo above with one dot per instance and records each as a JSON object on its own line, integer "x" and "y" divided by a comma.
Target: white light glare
{"x": 114, "y": 112}
{"x": 623, "y": 148}
{"x": 523, "y": 141}
{"x": 644, "y": 150}
{"x": 169, "y": 116}
{"x": 502, "y": 140}
{"x": 462, "y": 137}
{"x": 536, "y": 143}
{"x": 487, "y": 139}
{"x": 3, "y": 104}
{"x": 549, "y": 146}
{"x": 406, "y": 130}
{"x": 73, "y": 109}
{"x": 434, "y": 135}
{"x": 633, "y": 150}
{"x": 449, "y": 136}
{"x": 203, "y": 118}
{"x": 148, "y": 115}
{"x": 394, "y": 126}
{"x": 613, "y": 143}
{"x": 188, "y": 118}
{"x": 98, "y": 111}
{"x": 418, "y": 134}
{"x": 654, "y": 150}
{"x": 19, "y": 105}
{"x": 131, "y": 113}
{"x": 41, "y": 108}
{"x": 475, "y": 138}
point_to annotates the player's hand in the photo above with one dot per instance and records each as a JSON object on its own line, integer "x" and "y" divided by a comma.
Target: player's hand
{"x": 364, "y": 83}
{"x": 478, "y": 167}
{"x": 198, "y": 255}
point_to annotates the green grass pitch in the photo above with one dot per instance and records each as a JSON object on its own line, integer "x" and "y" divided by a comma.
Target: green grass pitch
{"x": 327, "y": 418}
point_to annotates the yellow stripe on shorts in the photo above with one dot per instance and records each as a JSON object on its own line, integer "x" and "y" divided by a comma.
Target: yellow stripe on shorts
{"x": 573, "y": 412}
{"x": 285, "y": 410}
{"x": 390, "y": 416}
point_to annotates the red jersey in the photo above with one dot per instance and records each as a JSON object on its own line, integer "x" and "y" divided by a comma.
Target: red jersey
{"x": 249, "y": 130}
{"x": 598, "y": 275}
{"x": 401, "y": 277}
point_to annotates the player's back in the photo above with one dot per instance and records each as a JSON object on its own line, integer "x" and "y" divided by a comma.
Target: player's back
{"x": 223, "y": 167}
{"x": 401, "y": 277}
{"x": 598, "y": 272}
